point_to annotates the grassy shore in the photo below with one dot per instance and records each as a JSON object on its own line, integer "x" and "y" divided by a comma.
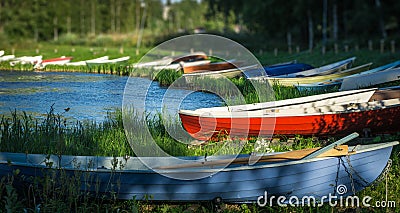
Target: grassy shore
{"x": 54, "y": 134}
{"x": 49, "y": 50}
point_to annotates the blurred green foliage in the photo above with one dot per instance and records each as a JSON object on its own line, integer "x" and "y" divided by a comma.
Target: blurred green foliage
{"x": 257, "y": 23}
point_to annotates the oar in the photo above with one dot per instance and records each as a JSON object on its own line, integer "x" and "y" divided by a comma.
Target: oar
{"x": 331, "y": 146}
{"x": 332, "y": 150}
{"x": 292, "y": 155}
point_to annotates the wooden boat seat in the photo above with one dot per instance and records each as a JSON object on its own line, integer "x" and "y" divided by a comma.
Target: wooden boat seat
{"x": 385, "y": 94}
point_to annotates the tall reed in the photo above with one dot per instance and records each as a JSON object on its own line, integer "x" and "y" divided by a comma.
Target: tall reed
{"x": 55, "y": 134}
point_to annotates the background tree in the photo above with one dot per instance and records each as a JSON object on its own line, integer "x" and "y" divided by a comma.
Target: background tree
{"x": 300, "y": 22}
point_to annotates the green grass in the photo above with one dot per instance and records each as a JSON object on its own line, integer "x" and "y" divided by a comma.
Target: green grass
{"x": 79, "y": 53}
{"x": 167, "y": 77}
{"x": 55, "y": 134}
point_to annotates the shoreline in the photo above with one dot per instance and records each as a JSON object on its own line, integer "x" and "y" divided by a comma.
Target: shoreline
{"x": 113, "y": 70}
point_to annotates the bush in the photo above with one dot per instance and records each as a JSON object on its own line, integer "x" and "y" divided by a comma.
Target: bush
{"x": 71, "y": 39}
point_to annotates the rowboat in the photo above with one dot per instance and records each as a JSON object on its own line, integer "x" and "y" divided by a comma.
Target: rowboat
{"x": 189, "y": 57}
{"x": 120, "y": 60}
{"x": 284, "y": 69}
{"x": 181, "y": 65}
{"x": 371, "y": 79}
{"x": 377, "y": 115}
{"x": 52, "y": 61}
{"x": 217, "y": 66}
{"x": 26, "y": 60}
{"x": 326, "y": 85}
{"x": 228, "y": 73}
{"x": 312, "y": 79}
{"x": 171, "y": 60}
{"x": 83, "y": 63}
{"x": 295, "y": 173}
{"x": 6, "y": 57}
{"x": 278, "y": 69}
{"x": 334, "y": 98}
{"x": 324, "y": 70}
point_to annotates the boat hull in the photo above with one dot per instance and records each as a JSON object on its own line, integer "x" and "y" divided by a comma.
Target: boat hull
{"x": 286, "y": 69}
{"x": 209, "y": 67}
{"x": 229, "y": 73}
{"x": 56, "y": 61}
{"x": 52, "y": 61}
{"x": 237, "y": 183}
{"x": 377, "y": 121}
{"x": 313, "y": 79}
{"x": 116, "y": 61}
{"x": 370, "y": 79}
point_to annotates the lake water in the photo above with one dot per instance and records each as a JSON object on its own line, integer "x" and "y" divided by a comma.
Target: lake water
{"x": 89, "y": 96}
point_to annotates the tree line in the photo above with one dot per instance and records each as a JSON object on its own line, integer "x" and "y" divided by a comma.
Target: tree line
{"x": 300, "y": 21}
{"x": 44, "y": 20}
{"x": 308, "y": 21}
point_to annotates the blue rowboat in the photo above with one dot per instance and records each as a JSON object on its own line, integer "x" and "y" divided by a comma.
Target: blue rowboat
{"x": 127, "y": 177}
{"x": 278, "y": 69}
{"x": 275, "y": 70}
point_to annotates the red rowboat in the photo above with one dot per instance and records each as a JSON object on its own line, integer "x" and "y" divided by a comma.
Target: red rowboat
{"x": 55, "y": 61}
{"x": 197, "y": 56}
{"x": 379, "y": 115}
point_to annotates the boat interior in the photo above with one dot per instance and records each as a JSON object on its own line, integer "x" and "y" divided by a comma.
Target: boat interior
{"x": 386, "y": 93}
